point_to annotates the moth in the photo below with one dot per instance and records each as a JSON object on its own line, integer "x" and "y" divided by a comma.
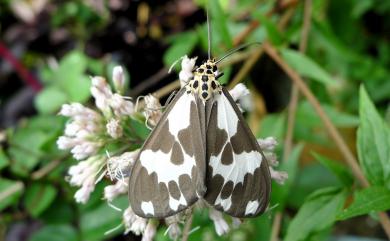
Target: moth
{"x": 201, "y": 148}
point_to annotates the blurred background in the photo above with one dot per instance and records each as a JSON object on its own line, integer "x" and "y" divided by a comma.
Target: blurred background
{"x": 49, "y": 48}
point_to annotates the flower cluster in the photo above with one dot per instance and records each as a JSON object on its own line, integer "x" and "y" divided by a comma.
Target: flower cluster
{"x": 90, "y": 130}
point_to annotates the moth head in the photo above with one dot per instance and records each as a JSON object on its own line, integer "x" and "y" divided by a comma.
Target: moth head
{"x": 209, "y": 67}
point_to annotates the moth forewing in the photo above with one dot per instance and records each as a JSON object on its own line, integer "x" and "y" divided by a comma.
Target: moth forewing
{"x": 237, "y": 177}
{"x": 168, "y": 175}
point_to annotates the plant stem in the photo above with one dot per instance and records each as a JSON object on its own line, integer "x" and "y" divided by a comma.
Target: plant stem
{"x": 294, "y": 91}
{"x": 45, "y": 169}
{"x": 333, "y": 132}
{"x": 20, "y": 69}
{"x": 187, "y": 228}
{"x": 276, "y": 226}
{"x": 18, "y": 186}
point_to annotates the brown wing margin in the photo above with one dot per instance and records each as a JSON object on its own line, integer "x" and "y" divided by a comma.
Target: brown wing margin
{"x": 250, "y": 197}
{"x": 184, "y": 154}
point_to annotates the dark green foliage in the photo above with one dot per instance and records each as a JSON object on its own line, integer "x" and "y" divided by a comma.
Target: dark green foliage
{"x": 346, "y": 66}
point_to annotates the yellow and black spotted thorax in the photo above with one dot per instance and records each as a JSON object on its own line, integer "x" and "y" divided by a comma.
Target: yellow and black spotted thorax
{"x": 205, "y": 83}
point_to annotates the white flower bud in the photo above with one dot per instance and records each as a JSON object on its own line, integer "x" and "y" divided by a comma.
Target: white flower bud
{"x": 128, "y": 219}
{"x": 187, "y": 66}
{"x": 102, "y": 93}
{"x": 279, "y": 176}
{"x": 236, "y": 222}
{"x": 113, "y": 191}
{"x": 84, "y": 150}
{"x": 114, "y": 128}
{"x": 82, "y": 195}
{"x": 72, "y": 128}
{"x": 241, "y": 94}
{"x": 152, "y": 111}
{"x": 271, "y": 158}
{"x": 65, "y": 142}
{"x": 268, "y": 144}
{"x": 174, "y": 231}
{"x": 138, "y": 225}
{"x": 221, "y": 227}
{"x": 121, "y": 106}
{"x": 150, "y": 230}
{"x": 118, "y": 78}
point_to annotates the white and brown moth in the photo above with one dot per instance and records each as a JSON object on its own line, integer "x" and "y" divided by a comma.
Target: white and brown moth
{"x": 201, "y": 148}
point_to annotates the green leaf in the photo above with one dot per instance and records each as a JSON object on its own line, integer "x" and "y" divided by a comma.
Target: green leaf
{"x": 340, "y": 171}
{"x": 10, "y": 192}
{"x": 39, "y": 197}
{"x": 227, "y": 71}
{"x": 306, "y": 66}
{"x": 273, "y": 33}
{"x": 219, "y": 23}
{"x": 307, "y": 115}
{"x": 307, "y": 182}
{"x": 60, "y": 212}
{"x": 25, "y": 150}
{"x": 49, "y": 100}
{"x": 71, "y": 79}
{"x": 281, "y": 192}
{"x": 4, "y": 161}
{"x": 317, "y": 213}
{"x": 373, "y": 142}
{"x": 181, "y": 45}
{"x": 362, "y": 7}
{"x": 55, "y": 233}
{"x": 273, "y": 125}
{"x": 372, "y": 199}
{"x": 96, "y": 222}
{"x": 28, "y": 142}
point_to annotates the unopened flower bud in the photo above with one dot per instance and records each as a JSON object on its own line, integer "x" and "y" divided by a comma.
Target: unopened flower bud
{"x": 241, "y": 94}
{"x": 118, "y": 78}
{"x": 221, "y": 227}
{"x": 114, "y": 128}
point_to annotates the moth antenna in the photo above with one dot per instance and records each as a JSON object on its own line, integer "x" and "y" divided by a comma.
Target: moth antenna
{"x": 208, "y": 33}
{"x": 171, "y": 96}
{"x": 235, "y": 50}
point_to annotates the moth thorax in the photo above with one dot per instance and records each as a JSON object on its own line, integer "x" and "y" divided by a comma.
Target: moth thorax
{"x": 204, "y": 82}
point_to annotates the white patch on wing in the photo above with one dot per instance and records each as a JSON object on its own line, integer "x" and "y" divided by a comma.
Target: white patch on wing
{"x": 227, "y": 118}
{"x": 160, "y": 163}
{"x": 243, "y": 163}
{"x": 147, "y": 208}
{"x": 179, "y": 118}
{"x": 251, "y": 207}
{"x": 174, "y": 203}
{"x": 225, "y": 203}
